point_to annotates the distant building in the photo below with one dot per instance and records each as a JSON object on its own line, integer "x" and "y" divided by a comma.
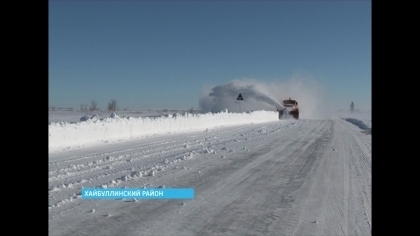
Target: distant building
{"x": 352, "y": 107}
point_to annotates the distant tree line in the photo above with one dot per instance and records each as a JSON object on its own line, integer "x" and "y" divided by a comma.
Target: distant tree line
{"x": 112, "y": 106}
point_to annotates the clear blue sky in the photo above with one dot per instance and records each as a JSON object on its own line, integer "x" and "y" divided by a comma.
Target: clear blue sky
{"x": 160, "y": 54}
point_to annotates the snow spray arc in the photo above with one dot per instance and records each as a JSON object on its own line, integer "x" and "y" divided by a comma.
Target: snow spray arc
{"x": 258, "y": 97}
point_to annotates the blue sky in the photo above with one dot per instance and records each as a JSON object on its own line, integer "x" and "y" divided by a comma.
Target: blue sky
{"x": 160, "y": 54}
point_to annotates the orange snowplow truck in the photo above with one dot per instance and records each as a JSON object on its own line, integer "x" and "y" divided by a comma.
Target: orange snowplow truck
{"x": 290, "y": 109}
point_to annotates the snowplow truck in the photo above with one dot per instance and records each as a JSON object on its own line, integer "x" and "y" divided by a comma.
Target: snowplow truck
{"x": 290, "y": 109}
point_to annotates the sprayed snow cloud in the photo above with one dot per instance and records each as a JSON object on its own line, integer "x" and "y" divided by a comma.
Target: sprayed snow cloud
{"x": 256, "y": 96}
{"x": 266, "y": 96}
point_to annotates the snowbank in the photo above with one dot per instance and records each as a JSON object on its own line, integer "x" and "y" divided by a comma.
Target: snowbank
{"x": 364, "y": 124}
{"x": 68, "y": 135}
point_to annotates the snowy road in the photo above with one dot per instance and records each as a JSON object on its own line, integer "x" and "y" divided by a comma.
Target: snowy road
{"x": 304, "y": 177}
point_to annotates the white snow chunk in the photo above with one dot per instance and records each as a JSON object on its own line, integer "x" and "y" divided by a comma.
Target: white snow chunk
{"x": 94, "y": 117}
{"x": 209, "y": 150}
{"x": 113, "y": 115}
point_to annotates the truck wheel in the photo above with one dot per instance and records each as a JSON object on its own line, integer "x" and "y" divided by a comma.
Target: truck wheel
{"x": 280, "y": 114}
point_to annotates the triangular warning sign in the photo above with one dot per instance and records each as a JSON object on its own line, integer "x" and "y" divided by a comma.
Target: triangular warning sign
{"x": 240, "y": 97}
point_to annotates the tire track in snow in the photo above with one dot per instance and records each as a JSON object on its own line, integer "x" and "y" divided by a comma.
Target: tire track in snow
{"x": 254, "y": 175}
{"x": 92, "y": 168}
{"x": 239, "y": 138}
{"x": 66, "y": 183}
{"x": 361, "y": 163}
{"x": 280, "y": 178}
{"x": 337, "y": 194}
{"x": 294, "y": 218}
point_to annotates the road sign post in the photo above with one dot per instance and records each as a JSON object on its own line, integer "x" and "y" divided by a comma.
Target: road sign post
{"x": 240, "y": 98}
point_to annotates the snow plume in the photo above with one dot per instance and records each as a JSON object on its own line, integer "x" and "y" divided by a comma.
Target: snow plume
{"x": 257, "y": 96}
{"x": 265, "y": 96}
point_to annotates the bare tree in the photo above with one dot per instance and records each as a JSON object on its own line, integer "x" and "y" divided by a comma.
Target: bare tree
{"x": 93, "y": 106}
{"x": 112, "y": 105}
{"x": 83, "y": 107}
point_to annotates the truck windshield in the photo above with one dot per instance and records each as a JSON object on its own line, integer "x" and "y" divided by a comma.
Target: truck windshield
{"x": 289, "y": 102}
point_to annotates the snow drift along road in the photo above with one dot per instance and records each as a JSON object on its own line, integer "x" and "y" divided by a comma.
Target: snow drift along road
{"x": 64, "y": 135}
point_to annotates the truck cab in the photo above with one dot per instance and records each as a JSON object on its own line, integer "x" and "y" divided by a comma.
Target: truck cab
{"x": 290, "y": 109}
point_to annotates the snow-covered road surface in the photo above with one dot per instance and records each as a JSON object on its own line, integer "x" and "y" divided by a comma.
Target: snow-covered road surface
{"x": 303, "y": 177}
